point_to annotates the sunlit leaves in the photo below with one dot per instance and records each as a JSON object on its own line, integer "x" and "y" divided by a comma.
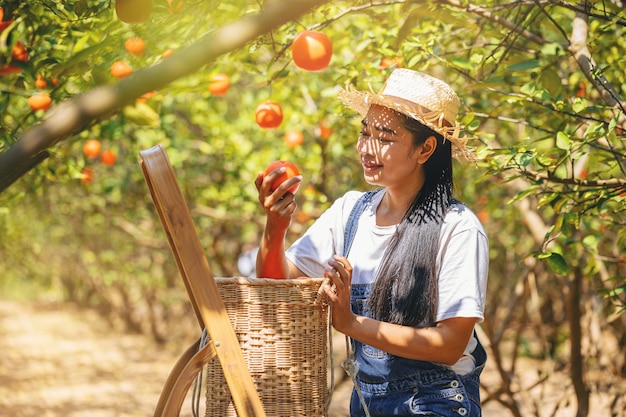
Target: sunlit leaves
{"x": 563, "y": 141}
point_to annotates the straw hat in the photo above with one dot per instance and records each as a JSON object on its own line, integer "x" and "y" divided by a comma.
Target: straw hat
{"x": 422, "y": 97}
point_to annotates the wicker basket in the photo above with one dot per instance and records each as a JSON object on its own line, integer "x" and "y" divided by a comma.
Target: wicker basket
{"x": 282, "y": 326}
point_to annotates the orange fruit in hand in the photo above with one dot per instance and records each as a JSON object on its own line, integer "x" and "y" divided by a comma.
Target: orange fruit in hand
{"x": 91, "y": 148}
{"x": 291, "y": 170}
{"x": 133, "y": 11}
{"x": 121, "y": 69}
{"x": 40, "y": 101}
{"x": 108, "y": 157}
{"x": 293, "y": 139}
{"x": 312, "y": 50}
{"x": 219, "y": 84}
{"x": 269, "y": 114}
{"x": 135, "y": 46}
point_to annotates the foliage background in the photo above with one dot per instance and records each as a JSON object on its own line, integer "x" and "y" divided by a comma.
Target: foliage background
{"x": 541, "y": 99}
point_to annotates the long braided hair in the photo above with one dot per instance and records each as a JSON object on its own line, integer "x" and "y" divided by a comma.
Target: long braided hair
{"x": 405, "y": 289}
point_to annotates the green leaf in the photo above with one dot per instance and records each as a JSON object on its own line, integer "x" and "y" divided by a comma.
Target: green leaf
{"x": 526, "y": 158}
{"x": 524, "y": 65}
{"x": 570, "y": 224}
{"x": 142, "y": 114}
{"x": 563, "y": 141}
{"x": 551, "y": 81}
{"x": 547, "y": 199}
{"x": 523, "y": 194}
{"x": 463, "y": 63}
{"x": 556, "y": 263}
{"x": 529, "y": 89}
{"x": 407, "y": 27}
{"x": 579, "y": 105}
{"x": 591, "y": 242}
{"x": 594, "y": 131}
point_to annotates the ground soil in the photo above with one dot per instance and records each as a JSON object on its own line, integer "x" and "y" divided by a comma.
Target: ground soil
{"x": 60, "y": 360}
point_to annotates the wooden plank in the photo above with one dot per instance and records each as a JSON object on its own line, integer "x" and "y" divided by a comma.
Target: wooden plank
{"x": 199, "y": 281}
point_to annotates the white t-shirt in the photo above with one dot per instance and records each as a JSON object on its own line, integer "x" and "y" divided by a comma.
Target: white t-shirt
{"x": 462, "y": 259}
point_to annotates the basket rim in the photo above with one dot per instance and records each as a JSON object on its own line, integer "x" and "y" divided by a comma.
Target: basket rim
{"x": 270, "y": 281}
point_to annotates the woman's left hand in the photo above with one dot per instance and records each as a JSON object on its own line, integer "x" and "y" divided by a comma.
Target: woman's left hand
{"x": 339, "y": 293}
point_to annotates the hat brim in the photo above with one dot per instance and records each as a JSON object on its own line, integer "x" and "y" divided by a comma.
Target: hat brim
{"x": 361, "y": 101}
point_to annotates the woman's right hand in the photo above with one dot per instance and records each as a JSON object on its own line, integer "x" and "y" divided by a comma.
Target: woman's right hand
{"x": 280, "y": 204}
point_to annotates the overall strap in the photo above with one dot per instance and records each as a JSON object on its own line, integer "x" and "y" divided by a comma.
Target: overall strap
{"x": 353, "y": 219}
{"x": 350, "y": 365}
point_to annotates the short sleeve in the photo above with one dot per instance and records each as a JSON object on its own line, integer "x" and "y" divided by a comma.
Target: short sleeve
{"x": 463, "y": 266}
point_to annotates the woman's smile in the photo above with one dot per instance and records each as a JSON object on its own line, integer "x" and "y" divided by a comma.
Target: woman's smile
{"x": 370, "y": 166}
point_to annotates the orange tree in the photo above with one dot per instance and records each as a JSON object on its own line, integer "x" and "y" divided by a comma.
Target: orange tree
{"x": 541, "y": 85}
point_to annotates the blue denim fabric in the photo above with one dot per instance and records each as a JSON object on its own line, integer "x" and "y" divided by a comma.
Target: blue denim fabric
{"x": 395, "y": 386}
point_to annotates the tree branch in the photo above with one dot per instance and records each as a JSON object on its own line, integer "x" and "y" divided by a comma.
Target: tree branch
{"x": 539, "y": 176}
{"x": 578, "y": 48}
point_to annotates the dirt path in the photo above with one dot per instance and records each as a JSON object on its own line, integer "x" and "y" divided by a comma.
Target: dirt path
{"x": 59, "y": 361}
{"x": 62, "y": 361}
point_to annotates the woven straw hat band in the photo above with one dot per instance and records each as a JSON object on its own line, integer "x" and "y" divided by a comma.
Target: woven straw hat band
{"x": 414, "y": 108}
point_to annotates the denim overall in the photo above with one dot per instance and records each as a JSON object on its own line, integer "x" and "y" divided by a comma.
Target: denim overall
{"x": 390, "y": 385}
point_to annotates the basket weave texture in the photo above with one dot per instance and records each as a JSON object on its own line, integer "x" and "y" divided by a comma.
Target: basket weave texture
{"x": 282, "y": 326}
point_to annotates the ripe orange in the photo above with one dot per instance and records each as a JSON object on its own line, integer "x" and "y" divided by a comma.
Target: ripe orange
{"x": 323, "y": 131}
{"x": 10, "y": 69}
{"x": 390, "y": 63}
{"x": 133, "y": 11}
{"x": 87, "y": 175}
{"x": 312, "y": 50}
{"x": 3, "y": 24}
{"x": 121, "y": 69}
{"x": 219, "y": 84}
{"x": 175, "y": 6}
{"x": 293, "y": 139}
{"x": 135, "y": 46}
{"x": 19, "y": 52}
{"x": 483, "y": 216}
{"x": 269, "y": 114}
{"x": 302, "y": 217}
{"x": 146, "y": 96}
{"x": 91, "y": 148}
{"x": 40, "y": 83}
{"x": 291, "y": 170}
{"x": 40, "y": 101}
{"x": 108, "y": 157}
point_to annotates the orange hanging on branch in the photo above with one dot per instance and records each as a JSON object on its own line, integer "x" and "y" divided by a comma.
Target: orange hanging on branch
{"x": 312, "y": 50}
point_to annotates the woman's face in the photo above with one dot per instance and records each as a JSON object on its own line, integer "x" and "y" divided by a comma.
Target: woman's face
{"x": 388, "y": 156}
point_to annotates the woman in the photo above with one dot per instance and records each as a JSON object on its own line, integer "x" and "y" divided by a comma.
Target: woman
{"x": 408, "y": 264}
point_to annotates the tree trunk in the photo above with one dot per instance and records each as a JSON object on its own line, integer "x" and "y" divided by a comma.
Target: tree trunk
{"x": 577, "y": 361}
